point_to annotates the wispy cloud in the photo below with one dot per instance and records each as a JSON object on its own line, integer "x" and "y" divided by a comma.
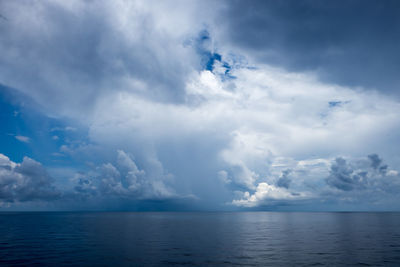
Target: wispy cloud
{"x": 22, "y": 138}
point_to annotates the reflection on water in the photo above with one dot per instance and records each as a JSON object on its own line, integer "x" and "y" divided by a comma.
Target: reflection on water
{"x": 203, "y": 239}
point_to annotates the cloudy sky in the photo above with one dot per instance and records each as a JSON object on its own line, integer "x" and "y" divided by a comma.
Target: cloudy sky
{"x": 199, "y": 105}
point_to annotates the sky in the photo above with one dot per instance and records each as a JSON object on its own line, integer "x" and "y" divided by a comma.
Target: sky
{"x": 200, "y": 105}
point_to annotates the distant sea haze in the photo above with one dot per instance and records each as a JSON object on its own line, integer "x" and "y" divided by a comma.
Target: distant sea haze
{"x": 199, "y": 239}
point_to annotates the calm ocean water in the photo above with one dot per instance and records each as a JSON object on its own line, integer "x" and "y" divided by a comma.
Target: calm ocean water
{"x": 200, "y": 239}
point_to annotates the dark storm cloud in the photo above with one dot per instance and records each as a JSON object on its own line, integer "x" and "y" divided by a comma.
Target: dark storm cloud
{"x": 347, "y": 42}
{"x": 26, "y": 181}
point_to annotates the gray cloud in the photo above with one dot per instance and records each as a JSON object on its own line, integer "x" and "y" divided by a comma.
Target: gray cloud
{"x": 362, "y": 175}
{"x": 375, "y": 160}
{"x": 71, "y": 54}
{"x": 26, "y": 181}
{"x": 351, "y": 182}
{"x": 343, "y": 177}
{"x": 376, "y": 163}
{"x": 120, "y": 185}
{"x": 347, "y": 42}
{"x": 84, "y": 186}
{"x": 123, "y": 180}
{"x": 284, "y": 180}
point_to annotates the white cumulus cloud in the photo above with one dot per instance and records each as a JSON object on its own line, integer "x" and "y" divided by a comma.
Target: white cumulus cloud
{"x": 25, "y": 181}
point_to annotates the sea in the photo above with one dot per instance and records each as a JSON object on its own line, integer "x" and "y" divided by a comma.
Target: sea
{"x": 199, "y": 239}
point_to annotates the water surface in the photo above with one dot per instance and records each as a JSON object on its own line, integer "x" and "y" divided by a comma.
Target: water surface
{"x": 200, "y": 239}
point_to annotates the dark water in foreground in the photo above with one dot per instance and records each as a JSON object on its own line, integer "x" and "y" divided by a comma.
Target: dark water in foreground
{"x": 202, "y": 239}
